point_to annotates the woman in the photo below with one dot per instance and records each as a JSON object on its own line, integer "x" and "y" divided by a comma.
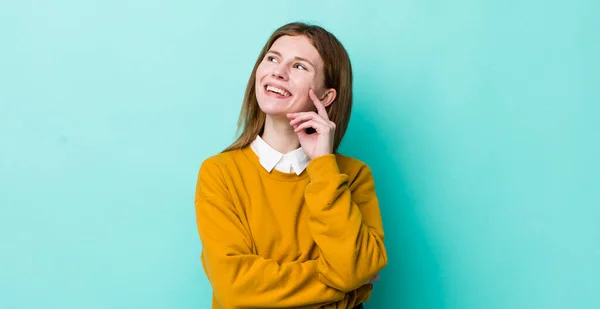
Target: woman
{"x": 285, "y": 221}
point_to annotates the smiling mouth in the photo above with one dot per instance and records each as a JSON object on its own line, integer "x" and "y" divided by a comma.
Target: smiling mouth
{"x": 277, "y": 92}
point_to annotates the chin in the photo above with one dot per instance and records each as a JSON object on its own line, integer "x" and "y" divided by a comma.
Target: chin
{"x": 273, "y": 108}
{"x": 274, "y": 111}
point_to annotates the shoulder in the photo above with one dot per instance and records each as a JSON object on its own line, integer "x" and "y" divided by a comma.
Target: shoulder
{"x": 223, "y": 158}
{"x": 221, "y": 162}
{"x": 360, "y": 177}
{"x": 352, "y": 167}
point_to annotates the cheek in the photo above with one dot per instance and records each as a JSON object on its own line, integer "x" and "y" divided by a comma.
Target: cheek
{"x": 259, "y": 76}
{"x": 261, "y": 70}
{"x": 302, "y": 83}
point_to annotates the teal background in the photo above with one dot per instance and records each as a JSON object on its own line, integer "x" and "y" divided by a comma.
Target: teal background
{"x": 480, "y": 120}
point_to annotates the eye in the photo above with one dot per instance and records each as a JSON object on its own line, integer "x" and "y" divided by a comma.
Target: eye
{"x": 300, "y": 66}
{"x": 272, "y": 59}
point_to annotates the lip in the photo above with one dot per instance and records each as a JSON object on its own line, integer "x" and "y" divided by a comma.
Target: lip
{"x": 276, "y": 94}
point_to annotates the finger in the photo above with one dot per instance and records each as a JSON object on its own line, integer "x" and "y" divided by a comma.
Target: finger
{"x": 307, "y": 116}
{"x": 320, "y": 107}
{"x": 317, "y": 120}
{"x": 294, "y": 115}
{"x": 303, "y": 126}
{"x": 310, "y": 124}
{"x": 374, "y": 279}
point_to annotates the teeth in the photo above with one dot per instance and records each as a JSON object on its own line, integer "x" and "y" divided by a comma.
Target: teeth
{"x": 279, "y": 91}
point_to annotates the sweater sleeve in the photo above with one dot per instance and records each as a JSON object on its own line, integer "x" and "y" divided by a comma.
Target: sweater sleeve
{"x": 346, "y": 224}
{"x": 241, "y": 279}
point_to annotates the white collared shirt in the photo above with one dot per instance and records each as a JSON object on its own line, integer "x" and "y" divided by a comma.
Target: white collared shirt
{"x": 291, "y": 162}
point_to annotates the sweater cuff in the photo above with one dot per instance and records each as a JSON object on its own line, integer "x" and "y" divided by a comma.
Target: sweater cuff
{"x": 323, "y": 167}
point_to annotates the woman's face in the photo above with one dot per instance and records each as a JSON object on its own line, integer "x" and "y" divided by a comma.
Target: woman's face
{"x": 290, "y": 68}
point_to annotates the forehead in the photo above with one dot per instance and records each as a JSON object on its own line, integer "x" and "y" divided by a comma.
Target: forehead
{"x": 296, "y": 46}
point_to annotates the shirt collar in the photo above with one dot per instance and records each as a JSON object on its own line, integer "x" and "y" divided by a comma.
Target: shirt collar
{"x": 269, "y": 157}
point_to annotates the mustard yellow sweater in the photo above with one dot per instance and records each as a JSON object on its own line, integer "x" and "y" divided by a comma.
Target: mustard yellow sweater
{"x": 279, "y": 240}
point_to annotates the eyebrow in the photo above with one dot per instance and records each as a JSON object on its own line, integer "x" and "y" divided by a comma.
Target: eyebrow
{"x": 297, "y": 58}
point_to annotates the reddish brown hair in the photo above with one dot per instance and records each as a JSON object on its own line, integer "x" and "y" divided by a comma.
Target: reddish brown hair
{"x": 338, "y": 75}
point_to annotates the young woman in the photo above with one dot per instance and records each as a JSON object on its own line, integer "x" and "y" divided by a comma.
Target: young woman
{"x": 284, "y": 220}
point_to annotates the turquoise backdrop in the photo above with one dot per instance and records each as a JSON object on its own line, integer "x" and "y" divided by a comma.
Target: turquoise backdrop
{"x": 480, "y": 120}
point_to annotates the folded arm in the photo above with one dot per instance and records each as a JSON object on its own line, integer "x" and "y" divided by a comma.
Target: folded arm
{"x": 241, "y": 279}
{"x": 345, "y": 222}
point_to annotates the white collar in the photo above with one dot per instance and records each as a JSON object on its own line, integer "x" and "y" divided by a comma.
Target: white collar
{"x": 294, "y": 161}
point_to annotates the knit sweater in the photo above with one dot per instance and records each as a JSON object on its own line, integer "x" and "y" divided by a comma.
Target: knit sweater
{"x": 279, "y": 240}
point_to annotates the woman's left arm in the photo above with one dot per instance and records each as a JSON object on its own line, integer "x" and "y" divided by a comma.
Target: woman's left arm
{"x": 346, "y": 224}
{"x": 344, "y": 219}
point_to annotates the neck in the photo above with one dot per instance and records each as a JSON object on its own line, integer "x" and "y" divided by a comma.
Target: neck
{"x": 280, "y": 135}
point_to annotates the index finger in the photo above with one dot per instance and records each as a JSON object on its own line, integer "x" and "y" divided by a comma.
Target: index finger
{"x": 320, "y": 107}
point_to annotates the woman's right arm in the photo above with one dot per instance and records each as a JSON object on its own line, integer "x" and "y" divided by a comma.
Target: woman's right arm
{"x": 239, "y": 278}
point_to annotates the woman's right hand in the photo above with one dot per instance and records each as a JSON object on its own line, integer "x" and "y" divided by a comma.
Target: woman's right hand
{"x": 374, "y": 279}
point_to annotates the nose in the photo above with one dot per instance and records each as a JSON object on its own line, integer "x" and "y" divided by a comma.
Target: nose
{"x": 280, "y": 73}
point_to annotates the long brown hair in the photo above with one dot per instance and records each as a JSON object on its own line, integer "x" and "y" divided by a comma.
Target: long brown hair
{"x": 338, "y": 75}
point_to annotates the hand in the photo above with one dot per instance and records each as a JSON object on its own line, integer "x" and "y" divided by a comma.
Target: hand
{"x": 321, "y": 142}
{"x": 374, "y": 279}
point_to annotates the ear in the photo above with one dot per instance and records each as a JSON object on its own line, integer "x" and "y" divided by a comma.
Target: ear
{"x": 328, "y": 97}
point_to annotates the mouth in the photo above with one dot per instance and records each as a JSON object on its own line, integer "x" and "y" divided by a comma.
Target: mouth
{"x": 276, "y": 91}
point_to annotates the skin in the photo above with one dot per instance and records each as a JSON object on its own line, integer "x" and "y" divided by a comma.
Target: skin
{"x": 293, "y": 64}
